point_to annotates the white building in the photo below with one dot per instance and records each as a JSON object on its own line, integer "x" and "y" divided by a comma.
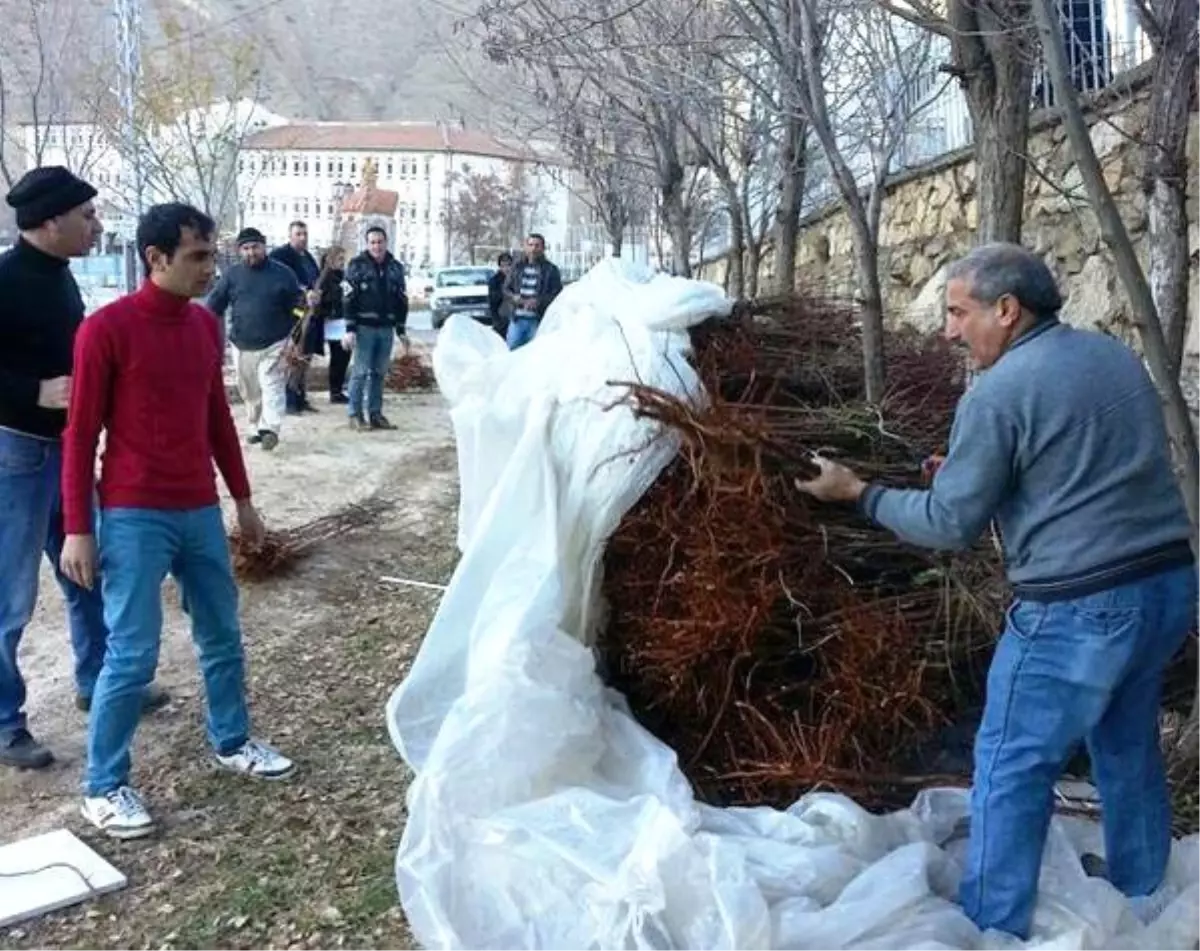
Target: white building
{"x": 300, "y": 171}
{"x": 190, "y": 158}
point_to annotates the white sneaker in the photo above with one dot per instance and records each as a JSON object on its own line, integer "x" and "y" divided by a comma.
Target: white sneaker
{"x": 258, "y": 760}
{"x": 119, "y": 813}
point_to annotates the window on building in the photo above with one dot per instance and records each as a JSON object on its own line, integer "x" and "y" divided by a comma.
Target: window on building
{"x": 304, "y": 210}
{"x": 354, "y": 166}
{"x": 329, "y": 167}
{"x": 306, "y": 166}
{"x": 295, "y": 206}
{"x": 390, "y": 168}
{"x": 241, "y": 166}
{"x": 428, "y": 168}
{"x": 329, "y": 209}
{"x": 295, "y": 166}
{"x": 341, "y": 168}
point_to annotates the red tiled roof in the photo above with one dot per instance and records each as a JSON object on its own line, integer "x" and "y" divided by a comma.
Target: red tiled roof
{"x": 383, "y": 137}
{"x": 371, "y": 201}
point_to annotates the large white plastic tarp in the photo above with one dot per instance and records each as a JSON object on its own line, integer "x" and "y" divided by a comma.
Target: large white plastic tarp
{"x": 542, "y": 815}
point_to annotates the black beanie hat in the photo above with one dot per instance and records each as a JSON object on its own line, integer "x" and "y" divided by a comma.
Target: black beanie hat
{"x": 45, "y": 193}
{"x": 250, "y": 236}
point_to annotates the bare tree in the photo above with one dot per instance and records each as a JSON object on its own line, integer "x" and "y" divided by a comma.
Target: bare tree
{"x": 199, "y": 99}
{"x": 1171, "y": 26}
{"x": 481, "y": 209}
{"x": 860, "y": 106}
{"x": 993, "y": 49}
{"x": 1147, "y": 318}
{"x": 47, "y": 87}
{"x": 626, "y": 56}
{"x": 599, "y": 142}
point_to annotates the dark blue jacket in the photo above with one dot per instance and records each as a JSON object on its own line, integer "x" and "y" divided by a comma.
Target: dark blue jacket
{"x": 264, "y": 303}
{"x": 307, "y": 272}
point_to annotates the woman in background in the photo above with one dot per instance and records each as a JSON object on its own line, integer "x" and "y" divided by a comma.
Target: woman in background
{"x": 332, "y": 320}
{"x": 499, "y": 307}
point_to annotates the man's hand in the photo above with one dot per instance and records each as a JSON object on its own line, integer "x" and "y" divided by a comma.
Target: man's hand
{"x": 312, "y": 298}
{"x": 250, "y": 524}
{"x": 78, "y": 561}
{"x": 348, "y": 340}
{"x": 529, "y": 303}
{"x": 54, "y": 394}
{"x": 930, "y": 467}
{"x": 835, "y": 483}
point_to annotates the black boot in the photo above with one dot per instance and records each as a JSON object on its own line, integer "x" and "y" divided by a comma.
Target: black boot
{"x": 21, "y": 750}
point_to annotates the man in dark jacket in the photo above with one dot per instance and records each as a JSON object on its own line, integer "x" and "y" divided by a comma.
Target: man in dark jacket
{"x": 531, "y": 287}
{"x": 499, "y": 306}
{"x": 295, "y": 255}
{"x": 40, "y": 311}
{"x": 376, "y": 310}
{"x": 265, "y": 301}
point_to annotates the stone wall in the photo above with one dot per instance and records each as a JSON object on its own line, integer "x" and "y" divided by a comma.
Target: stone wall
{"x": 930, "y": 213}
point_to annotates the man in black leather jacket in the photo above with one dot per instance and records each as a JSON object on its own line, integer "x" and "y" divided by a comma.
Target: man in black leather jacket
{"x": 376, "y": 310}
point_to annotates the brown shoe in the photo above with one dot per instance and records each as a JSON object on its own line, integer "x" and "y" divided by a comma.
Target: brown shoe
{"x": 153, "y": 698}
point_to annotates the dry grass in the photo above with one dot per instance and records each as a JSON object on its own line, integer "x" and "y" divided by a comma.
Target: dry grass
{"x": 302, "y": 864}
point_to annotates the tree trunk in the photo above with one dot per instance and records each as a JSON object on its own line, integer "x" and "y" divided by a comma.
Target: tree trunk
{"x": 999, "y": 165}
{"x": 1165, "y": 184}
{"x": 792, "y": 171}
{"x": 616, "y": 238}
{"x": 737, "y": 243}
{"x": 1133, "y": 279}
{"x": 753, "y": 265}
{"x": 866, "y": 258}
{"x": 680, "y": 230}
{"x": 993, "y": 56}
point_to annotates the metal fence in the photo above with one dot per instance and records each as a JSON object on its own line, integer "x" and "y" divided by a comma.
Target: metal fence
{"x": 1104, "y": 39}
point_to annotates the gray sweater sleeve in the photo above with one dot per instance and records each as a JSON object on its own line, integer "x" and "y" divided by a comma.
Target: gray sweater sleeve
{"x": 967, "y": 490}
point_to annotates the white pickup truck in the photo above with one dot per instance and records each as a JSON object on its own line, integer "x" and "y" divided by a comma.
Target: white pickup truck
{"x": 460, "y": 290}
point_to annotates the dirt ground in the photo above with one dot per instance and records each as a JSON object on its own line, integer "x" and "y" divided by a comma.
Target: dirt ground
{"x": 307, "y": 863}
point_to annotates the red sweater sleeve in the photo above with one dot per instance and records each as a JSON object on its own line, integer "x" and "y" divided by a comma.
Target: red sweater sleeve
{"x": 222, "y": 434}
{"x": 86, "y": 415}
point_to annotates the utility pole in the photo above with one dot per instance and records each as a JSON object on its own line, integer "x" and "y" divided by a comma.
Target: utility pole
{"x": 129, "y": 68}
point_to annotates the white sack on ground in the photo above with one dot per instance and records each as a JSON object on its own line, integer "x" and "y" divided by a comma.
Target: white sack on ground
{"x": 542, "y": 815}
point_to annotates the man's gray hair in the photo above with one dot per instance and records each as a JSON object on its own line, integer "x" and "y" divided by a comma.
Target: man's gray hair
{"x": 993, "y": 270}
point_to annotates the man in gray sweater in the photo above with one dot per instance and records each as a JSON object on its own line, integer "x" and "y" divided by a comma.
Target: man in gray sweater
{"x": 1062, "y": 442}
{"x": 265, "y": 299}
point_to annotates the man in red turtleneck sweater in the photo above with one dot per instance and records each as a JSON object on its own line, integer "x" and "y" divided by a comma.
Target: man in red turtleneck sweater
{"x": 148, "y": 373}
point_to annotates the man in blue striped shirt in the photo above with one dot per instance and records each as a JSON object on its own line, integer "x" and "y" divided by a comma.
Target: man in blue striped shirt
{"x": 532, "y": 285}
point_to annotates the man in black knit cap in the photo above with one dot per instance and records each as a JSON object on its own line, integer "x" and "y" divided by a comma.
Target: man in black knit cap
{"x": 40, "y": 311}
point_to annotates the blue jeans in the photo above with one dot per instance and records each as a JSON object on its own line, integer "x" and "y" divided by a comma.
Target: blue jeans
{"x": 1087, "y": 669}
{"x": 521, "y": 330}
{"x": 30, "y": 527}
{"x": 138, "y": 548}
{"x": 372, "y": 357}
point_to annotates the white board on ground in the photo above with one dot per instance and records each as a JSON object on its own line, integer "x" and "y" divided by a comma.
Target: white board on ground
{"x": 49, "y": 872}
